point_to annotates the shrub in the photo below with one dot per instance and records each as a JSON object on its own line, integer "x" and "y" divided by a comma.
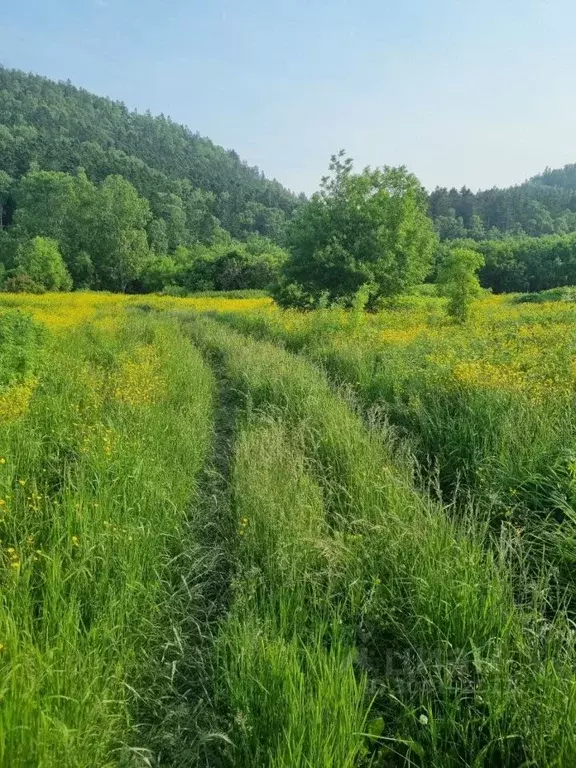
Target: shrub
{"x": 20, "y": 282}
{"x": 41, "y": 260}
{"x": 458, "y": 281}
{"x": 553, "y": 294}
{"x": 20, "y": 344}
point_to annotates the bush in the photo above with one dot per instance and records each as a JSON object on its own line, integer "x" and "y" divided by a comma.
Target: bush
{"x": 429, "y": 290}
{"x": 554, "y": 294}
{"x": 174, "y": 290}
{"x": 458, "y": 281}
{"x": 41, "y": 260}
{"x": 20, "y": 344}
{"x": 20, "y": 282}
{"x": 293, "y": 295}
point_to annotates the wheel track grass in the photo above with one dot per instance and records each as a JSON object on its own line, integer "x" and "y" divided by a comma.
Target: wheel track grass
{"x": 455, "y": 437}
{"x": 459, "y": 673}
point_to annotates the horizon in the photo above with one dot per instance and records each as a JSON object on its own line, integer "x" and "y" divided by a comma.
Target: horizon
{"x": 288, "y": 114}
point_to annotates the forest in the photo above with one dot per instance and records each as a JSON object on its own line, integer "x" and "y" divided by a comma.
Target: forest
{"x": 95, "y": 196}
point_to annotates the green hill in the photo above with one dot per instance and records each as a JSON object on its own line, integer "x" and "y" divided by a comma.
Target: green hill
{"x": 56, "y": 126}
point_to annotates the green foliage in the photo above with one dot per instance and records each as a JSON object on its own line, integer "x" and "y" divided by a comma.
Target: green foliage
{"x": 20, "y": 282}
{"x": 545, "y": 204}
{"x": 458, "y": 281}
{"x": 189, "y": 182}
{"x": 21, "y": 342}
{"x": 82, "y": 270}
{"x": 5, "y": 186}
{"x": 567, "y": 293}
{"x": 100, "y": 229}
{"x": 40, "y": 260}
{"x": 230, "y": 265}
{"x": 158, "y": 272}
{"x": 109, "y": 240}
{"x": 361, "y": 229}
{"x": 529, "y": 263}
{"x": 120, "y": 247}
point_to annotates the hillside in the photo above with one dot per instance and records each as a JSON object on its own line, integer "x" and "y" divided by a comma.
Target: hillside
{"x": 543, "y": 205}
{"x": 56, "y": 126}
{"x": 117, "y": 200}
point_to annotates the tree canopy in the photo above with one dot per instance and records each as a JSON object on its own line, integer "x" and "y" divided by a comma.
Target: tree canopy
{"x": 188, "y": 181}
{"x": 368, "y": 229}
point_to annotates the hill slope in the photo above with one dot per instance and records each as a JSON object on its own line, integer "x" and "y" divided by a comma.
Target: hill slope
{"x": 543, "y": 205}
{"x": 59, "y": 127}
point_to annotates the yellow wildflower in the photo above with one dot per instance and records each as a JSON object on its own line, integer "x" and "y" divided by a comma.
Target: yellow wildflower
{"x": 140, "y": 380}
{"x": 15, "y": 401}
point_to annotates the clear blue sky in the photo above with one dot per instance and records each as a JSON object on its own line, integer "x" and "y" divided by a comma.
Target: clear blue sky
{"x": 476, "y": 92}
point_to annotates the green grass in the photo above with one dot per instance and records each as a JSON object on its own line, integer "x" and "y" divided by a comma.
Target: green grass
{"x": 509, "y": 453}
{"x": 97, "y": 497}
{"x": 461, "y": 666}
{"x": 222, "y": 560}
{"x": 285, "y": 670}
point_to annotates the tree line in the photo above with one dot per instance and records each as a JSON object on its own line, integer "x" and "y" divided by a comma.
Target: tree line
{"x": 95, "y": 196}
{"x": 368, "y": 231}
{"x": 65, "y": 231}
{"x": 544, "y": 205}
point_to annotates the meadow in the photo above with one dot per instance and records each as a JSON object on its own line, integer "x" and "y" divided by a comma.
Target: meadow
{"x": 234, "y": 535}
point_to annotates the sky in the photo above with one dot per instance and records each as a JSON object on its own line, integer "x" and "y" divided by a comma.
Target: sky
{"x": 474, "y": 92}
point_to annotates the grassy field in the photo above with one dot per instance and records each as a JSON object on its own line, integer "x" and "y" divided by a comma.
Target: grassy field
{"x": 237, "y": 536}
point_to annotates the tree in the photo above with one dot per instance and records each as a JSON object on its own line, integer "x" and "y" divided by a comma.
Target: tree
{"x": 187, "y": 180}
{"x": 458, "y": 280}
{"x": 61, "y": 207}
{"x": 119, "y": 246}
{"x": 5, "y": 184}
{"x": 41, "y": 261}
{"x": 158, "y": 237}
{"x": 158, "y": 272}
{"x": 369, "y": 228}
{"x": 449, "y": 227}
{"x": 45, "y": 202}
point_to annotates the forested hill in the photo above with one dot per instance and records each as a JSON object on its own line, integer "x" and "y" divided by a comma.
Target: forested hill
{"x": 58, "y": 127}
{"x": 543, "y": 205}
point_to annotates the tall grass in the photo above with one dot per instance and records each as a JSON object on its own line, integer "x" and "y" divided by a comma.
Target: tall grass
{"x": 286, "y": 670}
{"x": 459, "y": 672}
{"x": 488, "y": 408}
{"x": 97, "y": 480}
{"x": 234, "y": 568}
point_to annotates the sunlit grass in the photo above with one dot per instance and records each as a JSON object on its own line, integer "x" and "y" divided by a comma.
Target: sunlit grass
{"x": 304, "y": 598}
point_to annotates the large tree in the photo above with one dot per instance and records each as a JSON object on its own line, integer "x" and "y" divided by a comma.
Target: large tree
{"x": 120, "y": 246}
{"x": 368, "y": 229}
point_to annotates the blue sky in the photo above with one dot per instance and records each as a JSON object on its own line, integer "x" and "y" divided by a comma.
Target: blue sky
{"x": 476, "y": 92}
